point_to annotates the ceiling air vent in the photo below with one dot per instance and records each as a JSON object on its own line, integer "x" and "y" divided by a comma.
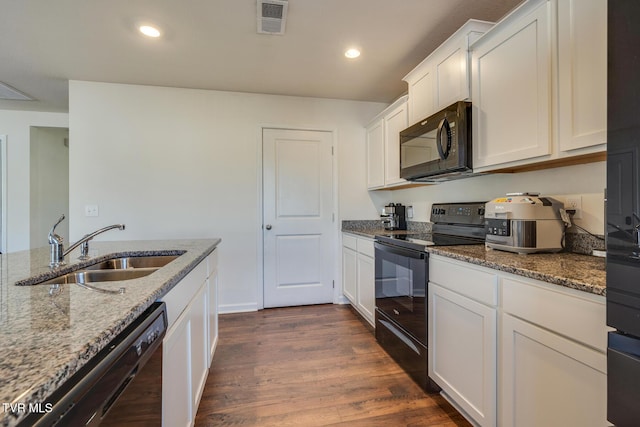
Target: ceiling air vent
{"x": 7, "y": 92}
{"x": 272, "y": 15}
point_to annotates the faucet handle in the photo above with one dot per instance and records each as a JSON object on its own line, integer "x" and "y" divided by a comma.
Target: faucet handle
{"x": 84, "y": 251}
{"x": 53, "y": 237}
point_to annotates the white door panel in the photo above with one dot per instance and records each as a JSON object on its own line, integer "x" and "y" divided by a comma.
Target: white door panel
{"x": 298, "y": 210}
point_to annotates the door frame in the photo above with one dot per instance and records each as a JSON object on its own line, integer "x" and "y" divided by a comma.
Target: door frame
{"x": 334, "y": 198}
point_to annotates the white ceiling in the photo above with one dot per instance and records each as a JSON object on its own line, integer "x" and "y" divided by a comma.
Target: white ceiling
{"x": 213, "y": 44}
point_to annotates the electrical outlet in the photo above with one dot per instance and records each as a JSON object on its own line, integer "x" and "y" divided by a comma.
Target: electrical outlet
{"x": 91, "y": 210}
{"x": 574, "y": 203}
{"x": 409, "y": 212}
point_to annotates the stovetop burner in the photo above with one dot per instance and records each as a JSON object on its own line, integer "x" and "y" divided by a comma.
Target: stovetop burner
{"x": 420, "y": 241}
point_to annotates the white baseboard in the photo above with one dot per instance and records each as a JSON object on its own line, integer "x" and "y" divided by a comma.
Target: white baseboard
{"x": 237, "y": 308}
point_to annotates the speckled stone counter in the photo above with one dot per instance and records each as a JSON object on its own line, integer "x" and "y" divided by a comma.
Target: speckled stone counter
{"x": 45, "y": 339}
{"x": 582, "y": 272}
{"x": 369, "y": 228}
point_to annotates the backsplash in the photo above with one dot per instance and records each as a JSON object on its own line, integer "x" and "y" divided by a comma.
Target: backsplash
{"x": 583, "y": 243}
{"x": 372, "y": 226}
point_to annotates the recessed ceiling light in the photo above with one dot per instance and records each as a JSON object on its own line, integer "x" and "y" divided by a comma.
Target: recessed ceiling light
{"x": 352, "y": 53}
{"x": 149, "y": 31}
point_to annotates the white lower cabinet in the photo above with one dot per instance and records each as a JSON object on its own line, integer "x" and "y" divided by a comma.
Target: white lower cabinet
{"x": 549, "y": 380}
{"x": 462, "y": 337}
{"x": 553, "y": 363}
{"x": 187, "y": 346}
{"x": 176, "y": 387}
{"x": 516, "y": 352}
{"x": 199, "y": 346}
{"x": 358, "y": 274}
{"x": 349, "y": 267}
{"x": 366, "y": 300}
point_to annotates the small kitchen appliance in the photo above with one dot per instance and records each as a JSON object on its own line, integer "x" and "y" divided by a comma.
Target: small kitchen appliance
{"x": 524, "y": 223}
{"x": 394, "y": 217}
{"x": 401, "y": 282}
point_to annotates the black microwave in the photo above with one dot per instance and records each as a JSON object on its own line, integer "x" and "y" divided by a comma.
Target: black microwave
{"x": 438, "y": 148}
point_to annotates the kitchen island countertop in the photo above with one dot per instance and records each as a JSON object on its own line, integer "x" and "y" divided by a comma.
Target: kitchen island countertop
{"x": 46, "y": 338}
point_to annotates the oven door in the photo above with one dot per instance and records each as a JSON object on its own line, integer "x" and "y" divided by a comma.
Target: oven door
{"x": 401, "y": 288}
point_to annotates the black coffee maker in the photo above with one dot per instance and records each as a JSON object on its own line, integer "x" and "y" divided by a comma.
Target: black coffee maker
{"x": 394, "y": 217}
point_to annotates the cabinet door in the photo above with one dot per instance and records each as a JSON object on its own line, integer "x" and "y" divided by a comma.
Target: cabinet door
{"x": 199, "y": 347}
{"x": 452, "y": 77}
{"x": 462, "y": 352}
{"x": 366, "y": 287}
{"x": 349, "y": 274}
{"x": 375, "y": 154}
{"x": 582, "y": 78}
{"x": 176, "y": 374}
{"x": 394, "y": 122}
{"x": 548, "y": 380}
{"x": 422, "y": 94}
{"x": 511, "y": 90}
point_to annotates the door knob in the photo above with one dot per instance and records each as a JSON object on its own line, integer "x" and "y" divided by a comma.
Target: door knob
{"x": 268, "y": 226}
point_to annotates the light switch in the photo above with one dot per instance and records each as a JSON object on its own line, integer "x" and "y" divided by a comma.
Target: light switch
{"x": 91, "y": 210}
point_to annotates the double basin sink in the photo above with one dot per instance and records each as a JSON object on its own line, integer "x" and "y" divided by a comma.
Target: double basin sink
{"x": 114, "y": 269}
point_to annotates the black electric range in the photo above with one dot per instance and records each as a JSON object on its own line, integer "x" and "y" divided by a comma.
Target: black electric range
{"x": 401, "y": 282}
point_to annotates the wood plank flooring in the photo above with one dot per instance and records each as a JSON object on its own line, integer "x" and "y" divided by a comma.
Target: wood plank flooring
{"x": 311, "y": 366}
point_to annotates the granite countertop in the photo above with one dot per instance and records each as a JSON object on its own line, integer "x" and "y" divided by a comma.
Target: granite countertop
{"x": 46, "y": 339}
{"x": 582, "y": 272}
{"x": 371, "y": 233}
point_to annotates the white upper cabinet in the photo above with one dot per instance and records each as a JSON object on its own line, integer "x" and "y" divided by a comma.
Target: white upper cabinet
{"x": 511, "y": 88}
{"x": 394, "y": 122}
{"x": 421, "y": 92}
{"x": 375, "y": 154}
{"x": 538, "y": 82}
{"x": 443, "y": 77}
{"x": 582, "y": 74}
{"x": 383, "y": 146}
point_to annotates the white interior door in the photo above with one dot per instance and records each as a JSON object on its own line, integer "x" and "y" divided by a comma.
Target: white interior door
{"x": 297, "y": 217}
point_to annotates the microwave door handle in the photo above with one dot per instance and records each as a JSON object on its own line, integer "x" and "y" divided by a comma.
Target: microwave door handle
{"x": 443, "y": 126}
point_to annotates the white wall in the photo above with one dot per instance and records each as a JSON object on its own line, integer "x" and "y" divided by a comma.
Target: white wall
{"x": 182, "y": 163}
{"x": 49, "y": 186}
{"x": 16, "y": 125}
{"x": 588, "y": 181}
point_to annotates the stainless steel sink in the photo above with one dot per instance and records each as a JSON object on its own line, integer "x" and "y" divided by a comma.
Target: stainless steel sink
{"x": 115, "y": 269}
{"x": 137, "y": 262}
{"x": 91, "y": 276}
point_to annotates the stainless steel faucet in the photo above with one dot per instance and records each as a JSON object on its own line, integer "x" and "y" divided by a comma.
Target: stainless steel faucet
{"x": 56, "y": 243}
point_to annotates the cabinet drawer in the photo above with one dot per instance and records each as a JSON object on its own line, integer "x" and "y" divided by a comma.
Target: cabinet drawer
{"x": 471, "y": 282}
{"x": 350, "y": 241}
{"x": 581, "y": 318}
{"x": 365, "y": 247}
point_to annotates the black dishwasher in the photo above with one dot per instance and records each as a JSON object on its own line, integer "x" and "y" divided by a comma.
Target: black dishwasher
{"x": 91, "y": 396}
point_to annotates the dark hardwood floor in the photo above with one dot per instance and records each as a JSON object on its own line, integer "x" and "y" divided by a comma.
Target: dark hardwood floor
{"x": 311, "y": 366}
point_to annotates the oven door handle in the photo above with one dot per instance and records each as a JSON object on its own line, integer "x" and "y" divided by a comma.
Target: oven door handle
{"x": 400, "y": 251}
